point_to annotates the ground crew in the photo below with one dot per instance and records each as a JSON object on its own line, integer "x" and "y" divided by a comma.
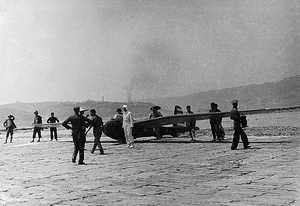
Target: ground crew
{"x": 119, "y": 116}
{"x": 37, "y": 130}
{"x": 97, "y": 125}
{"x": 238, "y": 131}
{"x": 155, "y": 114}
{"x": 79, "y": 123}
{"x": 53, "y": 130}
{"x": 128, "y": 126}
{"x": 10, "y": 126}
{"x": 191, "y": 124}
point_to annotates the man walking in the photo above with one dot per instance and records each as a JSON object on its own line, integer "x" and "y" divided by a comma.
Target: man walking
{"x": 53, "y": 119}
{"x": 37, "y": 130}
{"x": 238, "y": 131}
{"x": 97, "y": 125}
{"x": 78, "y": 124}
{"x": 10, "y": 126}
{"x": 128, "y": 126}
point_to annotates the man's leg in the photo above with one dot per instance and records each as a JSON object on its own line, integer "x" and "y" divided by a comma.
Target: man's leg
{"x": 236, "y": 139}
{"x": 94, "y": 145}
{"x": 81, "y": 144}
{"x": 75, "y": 151}
{"x": 7, "y": 134}
{"x": 244, "y": 139}
{"x": 98, "y": 143}
{"x": 218, "y": 133}
{"x": 11, "y": 134}
{"x": 34, "y": 134}
{"x": 213, "y": 131}
{"x": 51, "y": 134}
{"x": 55, "y": 133}
{"x": 39, "y": 135}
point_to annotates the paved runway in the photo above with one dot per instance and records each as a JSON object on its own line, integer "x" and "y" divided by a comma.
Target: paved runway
{"x": 172, "y": 171}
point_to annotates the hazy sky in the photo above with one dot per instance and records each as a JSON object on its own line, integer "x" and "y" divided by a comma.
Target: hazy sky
{"x": 74, "y": 50}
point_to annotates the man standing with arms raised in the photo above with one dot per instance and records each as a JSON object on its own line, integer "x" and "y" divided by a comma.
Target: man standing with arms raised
{"x": 79, "y": 123}
{"x": 128, "y": 126}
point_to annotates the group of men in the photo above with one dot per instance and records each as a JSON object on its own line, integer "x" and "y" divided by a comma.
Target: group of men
{"x": 37, "y": 130}
{"x": 80, "y": 125}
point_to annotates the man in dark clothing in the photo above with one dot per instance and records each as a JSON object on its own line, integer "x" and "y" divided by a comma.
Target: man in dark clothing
{"x": 155, "y": 114}
{"x": 214, "y": 123}
{"x": 238, "y": 131}
{"x": 9, "y": 126}
{"x": 97, "y": 125}
{"x": 37, "y": 130}
{"x": 78, "y": 125}
{"x": 191, "y": 124}
{"x": 53, "y": 119}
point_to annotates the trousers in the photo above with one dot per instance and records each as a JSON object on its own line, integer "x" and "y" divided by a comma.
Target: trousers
{"x": 238, "y": 131}
{"x": 79, "y": 143}
{"x": 128, "y": 133}
{"x": 53, "y": 130}
{"x": 97, "y": 142}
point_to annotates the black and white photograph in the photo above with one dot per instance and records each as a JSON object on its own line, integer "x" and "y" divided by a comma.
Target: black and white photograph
{"x": 150, "y": 102}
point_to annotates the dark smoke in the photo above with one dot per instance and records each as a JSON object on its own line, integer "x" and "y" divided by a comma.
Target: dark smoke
{"x": 156, "y": 69}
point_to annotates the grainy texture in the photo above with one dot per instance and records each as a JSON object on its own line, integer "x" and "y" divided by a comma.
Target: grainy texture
{"x": 172, "y": 171}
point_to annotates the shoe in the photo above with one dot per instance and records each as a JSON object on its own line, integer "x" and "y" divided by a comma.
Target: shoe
{"x": 81, "y": 163}
{"x": 131, "y": 146}
{"x": 73, "y": 160}
{"x": 32, "y": 141}
{"x": 101, "y": 153}
{"x": 213, "y": 140}
{"x": 56, "y": 139}
{"x": 248, "y": 147}
{"x": 92, "y": 151}
{"x": 50, "y": 139}
{"x": 5, "y": 142}
{"x": 233, "y": 148}
{"x": 38, "y": 140}
{"x": 128, "y": 145}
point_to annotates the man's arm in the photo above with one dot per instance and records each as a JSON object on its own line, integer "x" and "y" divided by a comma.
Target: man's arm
{"x": 65, "y": 124}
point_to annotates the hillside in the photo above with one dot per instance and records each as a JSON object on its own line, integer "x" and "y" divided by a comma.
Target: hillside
{"x": 268, "y": 95}
{"x": 23, "y": 112}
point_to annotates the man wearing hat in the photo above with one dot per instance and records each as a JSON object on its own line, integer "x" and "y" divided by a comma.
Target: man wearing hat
{"x": 37, "y": 130}
{"x": 128, "y": 126}
{"x": 78, "y": 123}
{"x": 10, "y": 126}
{"x": 238, "y": 131}
{"x": 119, "y": 116}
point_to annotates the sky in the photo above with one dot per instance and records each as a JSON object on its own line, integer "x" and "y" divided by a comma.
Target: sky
{"x": 120, "y": 50}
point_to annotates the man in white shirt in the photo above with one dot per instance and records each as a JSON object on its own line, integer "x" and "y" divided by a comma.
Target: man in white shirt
{"x": 128, "y": 126}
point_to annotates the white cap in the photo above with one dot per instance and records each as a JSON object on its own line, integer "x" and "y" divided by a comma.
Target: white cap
{"x": 125, "y": 106}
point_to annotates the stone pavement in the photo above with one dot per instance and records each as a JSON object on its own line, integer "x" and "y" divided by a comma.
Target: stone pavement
{"x": 172, "y": 171}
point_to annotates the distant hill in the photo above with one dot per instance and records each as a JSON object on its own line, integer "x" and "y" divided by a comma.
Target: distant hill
{"x": 268, "y": 95}
{"x": 23, "y": 112}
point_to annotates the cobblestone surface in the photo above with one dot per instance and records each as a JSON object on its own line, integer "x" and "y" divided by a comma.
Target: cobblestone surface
{"x": 172, "y": 171}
